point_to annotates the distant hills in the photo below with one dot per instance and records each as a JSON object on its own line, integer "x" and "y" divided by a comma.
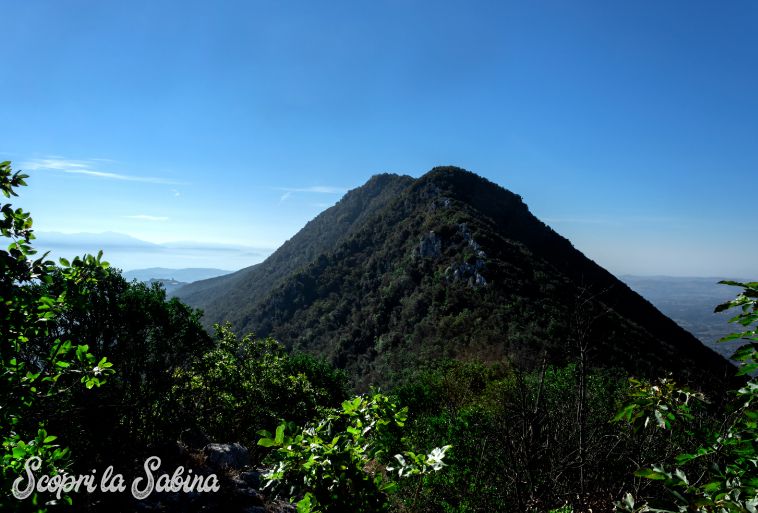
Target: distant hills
{"x": 172, "y": 279}
{"x": 403, "y": 272}
{"x": 182, "y": 275}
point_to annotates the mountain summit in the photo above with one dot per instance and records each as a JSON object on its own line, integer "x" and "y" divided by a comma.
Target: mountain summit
{"x": 405, "y": 271}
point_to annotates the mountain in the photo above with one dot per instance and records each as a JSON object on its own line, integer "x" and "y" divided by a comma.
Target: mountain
{"x": 180, "y": 275}
{"x": 403, "y": 272}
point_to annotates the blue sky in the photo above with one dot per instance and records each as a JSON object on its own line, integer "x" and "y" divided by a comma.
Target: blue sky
{"x": 630, "y": 127}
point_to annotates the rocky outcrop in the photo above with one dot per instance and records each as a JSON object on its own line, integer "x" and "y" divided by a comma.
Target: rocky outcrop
{"x": 430, "y": 246}
{"x": 226, "y": 456}
{"x": 468, "y": 271}
{"x": 466, "y": 234}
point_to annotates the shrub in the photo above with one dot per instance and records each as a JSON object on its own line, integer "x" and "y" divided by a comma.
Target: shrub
{"x": 36, "y": 367}
{"x": 242, "y": 385}
{"x": 342, "y": 461}
{"x": 721, "y": 474}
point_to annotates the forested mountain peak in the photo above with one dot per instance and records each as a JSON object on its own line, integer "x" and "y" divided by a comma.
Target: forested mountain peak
{"x": 404, "y": 272}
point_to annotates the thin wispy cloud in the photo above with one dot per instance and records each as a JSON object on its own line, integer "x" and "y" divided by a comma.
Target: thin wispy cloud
{"x": 89, "y": 167}
{"x": 317, "y": 189}
{"x": 145, "y": 217}
{"x": 611, "y": 220}
{"x": 579, "y": 220}
{"x": 175, "y": 193}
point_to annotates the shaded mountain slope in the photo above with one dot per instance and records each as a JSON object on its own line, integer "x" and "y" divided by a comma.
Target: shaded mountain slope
{"x": 220, "y": 296}
{"x": 454, "y": 266}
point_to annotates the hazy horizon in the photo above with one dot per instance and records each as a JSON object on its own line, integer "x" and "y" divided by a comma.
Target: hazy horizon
{"x": 175, "y": 254}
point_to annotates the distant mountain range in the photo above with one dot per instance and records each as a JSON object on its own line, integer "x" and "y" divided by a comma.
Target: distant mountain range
{"x": 186, "y": 275}
{"x": 126, "y": 252}
{"x": 172, "y": 279}
{"x": 403, "y": 272}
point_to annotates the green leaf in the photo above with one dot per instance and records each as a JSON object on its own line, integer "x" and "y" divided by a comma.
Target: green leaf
{"x": 747, "y": 368}
{"x": 629, "y": 501}
{"x": 304, "y": 505}
{"x": 650, "y": 474}
{"x": 279, "y": 438}
{"x": 625, "y": 413}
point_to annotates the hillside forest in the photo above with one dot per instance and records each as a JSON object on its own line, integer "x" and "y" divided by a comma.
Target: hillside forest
{"x": 367, "y": 378}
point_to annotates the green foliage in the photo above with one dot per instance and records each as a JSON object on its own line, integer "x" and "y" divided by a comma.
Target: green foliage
{"x": 148, "y": 337}
{"x": 721, "y": 474}
{"x": 243, "y": 385}
{"x": 36, "y": 366}
{"x": 747, "y": 303}
{"x": 516, "y": 438}
{"x": 342, "y": 461}
{"x": 328, "y": 385}
{"x": 663, "y": 402}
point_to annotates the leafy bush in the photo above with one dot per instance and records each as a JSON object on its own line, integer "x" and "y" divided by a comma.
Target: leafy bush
{"x": 35, "y": 365}
{"x": 243, "y": 385}
{"x": 516, "y": 438}
{"x": 721, "y": 474}
{"x": 149, "y": 338}
{"x": 342, "y": 462}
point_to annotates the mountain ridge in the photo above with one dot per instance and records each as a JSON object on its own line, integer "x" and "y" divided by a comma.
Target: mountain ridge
{"x": 451, "y": 265}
